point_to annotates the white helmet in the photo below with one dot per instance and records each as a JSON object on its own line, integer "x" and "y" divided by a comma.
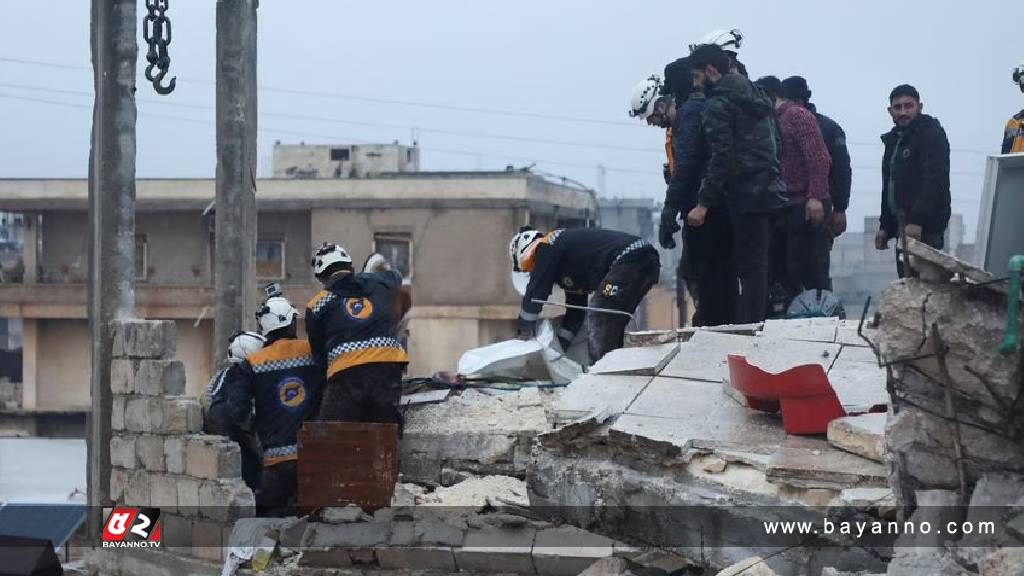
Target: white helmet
{"x": 520, "y": 243}
{"x": 277, "y": 312}
{"x": 242, "y": 344}
{"x": 641, "y": 105}
{"x": 729, "y": 40}
{"x": 329, "y": 253}
{"x": 1018, "y": 76}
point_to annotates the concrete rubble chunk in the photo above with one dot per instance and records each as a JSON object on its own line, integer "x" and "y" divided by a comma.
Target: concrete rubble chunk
{"x": 479, "y": 492}
{"x": 933, "y": 561}
{"x": 575, "y": 429}
{"x": 212, "y": 457}
{"x": 937, "y": 508}
{"x": 809, "y": 329}
{"x": 816, "y": 464}
{"x": 149, "y": 450}
{"x": 645, "y": 361}
{"x": 1003, "y": 562}
{"x": 859, "y": 386}
{"x": 662, "y": 560}
{"x": 437, "y": 558}
{"x": 608, "y": 567}
{"x": 354, "y": 535}
{"x": 497, "y": 550}
{"x": 715, "y": 465}
{"x": 865, "y": 498}
{"x": 134, "y": 338}
{"x": 567, "y": 550}
{"x": 862, "y": 435}
{"x": 594, "y": 393}
{"x": 343, "y": 515}
{"x": 755, "y": 566}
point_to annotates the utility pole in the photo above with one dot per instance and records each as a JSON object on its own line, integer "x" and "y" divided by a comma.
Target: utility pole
{"x": 111, "y": 220}
{"x": 235, "y": 244}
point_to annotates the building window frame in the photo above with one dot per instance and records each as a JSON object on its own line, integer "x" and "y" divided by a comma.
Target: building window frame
{"x": 281, "y": 272}
{"x": 396, "y": 236}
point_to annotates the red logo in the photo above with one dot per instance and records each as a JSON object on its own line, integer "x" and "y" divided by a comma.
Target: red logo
{"x": 125, "y": 527}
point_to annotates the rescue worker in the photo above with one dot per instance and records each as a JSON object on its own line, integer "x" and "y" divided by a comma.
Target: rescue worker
{"x": 218, "y": 417}
{"x": 801, "y": 241}
{"x": 618, "y": 268}
{"x": 707, "y": 262}
{"x": 729, "y": 41}
{"x": 286, "y": 383}
{"x": 645, "y": 94}
{"x": 1013, "y": 136}
{"x": 915, "y": 175}
{"x": 742, "y": 173}
{"x": 352, "y": 329}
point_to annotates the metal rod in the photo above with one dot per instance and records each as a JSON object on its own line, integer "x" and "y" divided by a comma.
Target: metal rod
{"x": 576, "y": 307}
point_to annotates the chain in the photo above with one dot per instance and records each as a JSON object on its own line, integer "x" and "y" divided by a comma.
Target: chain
{"x": 156, "y": 31}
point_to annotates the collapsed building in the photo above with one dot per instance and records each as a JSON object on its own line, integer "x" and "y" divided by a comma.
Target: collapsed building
{"x": 658, "y": 460}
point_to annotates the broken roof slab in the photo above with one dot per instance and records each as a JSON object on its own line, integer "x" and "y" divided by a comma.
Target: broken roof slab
{"x": 645, "y": 361}
{"x": 810, "y": 329}
{"x": 598, "y": 393}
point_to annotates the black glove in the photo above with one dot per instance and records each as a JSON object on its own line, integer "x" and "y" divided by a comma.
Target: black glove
{"x": 526, "y": 329}
{"x": 668, "y": 227}
{"x": 666, "y": 171}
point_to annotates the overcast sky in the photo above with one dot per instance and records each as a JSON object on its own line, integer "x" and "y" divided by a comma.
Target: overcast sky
{"x": 575, "y": 60}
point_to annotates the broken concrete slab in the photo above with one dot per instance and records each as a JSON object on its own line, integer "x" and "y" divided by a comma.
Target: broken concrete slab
{"x": 343, "y": 515}
{"x": 776, "y": 356}
{"x": 809, "y": 329}
{"x": 613, "y": 566}
{"x": 479, "y": 492}
{"x": 593, "y": 393}
{"x": 750, "y": 567}
{"x": 810, "y": 463}
{"x": 847, "y": 334}
{"x": 497, "y": 551}
{"x": 428, "y": 397}
{"x": 693, "y": 414}
{"x": 862, "y": 435}
{"x": 865, "y": 498}
{"x": 860, "y": 386}
{"x": 857, "y": 354}
{"x": 437, "y": 558}
{"x": 645, "y": 361}
{"x": 568, "y": 551}
{"x": 705, "y": 356}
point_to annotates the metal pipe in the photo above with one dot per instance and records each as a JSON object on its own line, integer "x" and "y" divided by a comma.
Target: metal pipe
{"x": 1012, "y": 338}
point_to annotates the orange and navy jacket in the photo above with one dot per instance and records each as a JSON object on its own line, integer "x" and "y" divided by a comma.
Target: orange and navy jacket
{"x": 352, "y": 321}
{"x": 286, "y": 384}
{"x": 1013, "y": 136}
{"x": 670, "y": 153}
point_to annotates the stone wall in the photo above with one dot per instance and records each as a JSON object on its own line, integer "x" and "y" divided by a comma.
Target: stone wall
{"x": 159, "y": 456}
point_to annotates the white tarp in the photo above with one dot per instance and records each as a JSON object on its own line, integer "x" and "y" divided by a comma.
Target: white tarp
{"x": 538, "y": 359}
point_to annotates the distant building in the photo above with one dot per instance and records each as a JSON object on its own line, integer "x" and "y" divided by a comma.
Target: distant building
{"x": 348, "y": 161}
{"x": 447, "y": 232}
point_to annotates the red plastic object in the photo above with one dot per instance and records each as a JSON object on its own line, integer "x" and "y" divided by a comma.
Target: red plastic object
{"x": 803, "y": 393}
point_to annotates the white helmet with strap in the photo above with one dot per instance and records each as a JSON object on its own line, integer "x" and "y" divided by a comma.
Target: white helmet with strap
{"x": 242, "y": 344}
{"x": 729, "y": 40}
{"x": 520, "y": 243}
{"x": 276, "y": 313}
{"x": 1018, "y": 76}
{"x": 645, "y": 94}
{"x": 329, "y": 253}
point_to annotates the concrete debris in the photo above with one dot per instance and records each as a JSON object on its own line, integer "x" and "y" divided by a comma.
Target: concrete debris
{"x": 750, "y": 567}
{"x": 875, "y": 498}
{"x": 862, "y": 435}
{"x": 408, "y": 494}
{"x": 592, "y": 393}
{"x": 1003, "y": 562}
{"x": 715, "y": 465}
{"x": 428, "y": 397}
{"x": 343, "y": 515}
{"x": 662, "y": 560}
{"x": 816, "y": 464}
{"x": 608, "y": 567}
{"x": 646, "y": 361}
{"x": 810, "y": 329}
{"x": 924, "y": 561}
{"x": 473, "y": 411}
{"x": 479, "y": 492}
{"x": 568, "y": 551}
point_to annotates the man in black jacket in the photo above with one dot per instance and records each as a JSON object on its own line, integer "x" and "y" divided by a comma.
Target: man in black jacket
{"x": 742, "y": 171}
{"x": 915, "y": 174}
{"x": 618, "y": 268}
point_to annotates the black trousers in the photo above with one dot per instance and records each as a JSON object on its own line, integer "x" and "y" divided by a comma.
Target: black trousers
{"x": 218, "y": 422}
{"x": 623, "y": 288}
{"x": 710, "y": 270}
{"x": 800, "y": 252}
{"x": 751, "y": 233}
{"x": 279, "y": 490}
{"x": 365, "y": 393}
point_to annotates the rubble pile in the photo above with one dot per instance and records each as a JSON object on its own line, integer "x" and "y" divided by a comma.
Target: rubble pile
{"x": 956, "y": 423}
{"x": 658, "y": 450}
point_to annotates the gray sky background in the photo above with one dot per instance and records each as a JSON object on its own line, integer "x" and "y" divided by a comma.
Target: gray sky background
{"x": 572, "y": 59}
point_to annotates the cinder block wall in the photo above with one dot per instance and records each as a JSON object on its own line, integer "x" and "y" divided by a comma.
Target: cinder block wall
{"x": 159, "y": 455}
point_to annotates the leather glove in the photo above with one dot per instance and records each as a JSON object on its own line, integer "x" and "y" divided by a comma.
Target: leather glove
{"x": 525, "y": 329}
{"x": 668, "y": 227}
